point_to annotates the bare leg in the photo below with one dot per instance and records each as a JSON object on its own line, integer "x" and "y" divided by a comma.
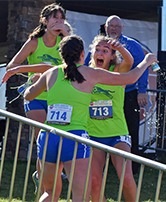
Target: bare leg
{"x": 37, "y": 115}
{"x": 40, "y": 116}
{"x": 48, "y": 181}
{"x": 129, "y": 186}
{"x": 38, "y": 164}
{"x": 79, "y": 178}
{"x": 98, "y": 162}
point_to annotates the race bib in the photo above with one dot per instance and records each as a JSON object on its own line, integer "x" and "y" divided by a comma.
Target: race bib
{"x": 101, "y": 109}
{"x": 59, "y": 114}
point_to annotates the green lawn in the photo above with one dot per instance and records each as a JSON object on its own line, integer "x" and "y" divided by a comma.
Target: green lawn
{"x": 147, "y": 191}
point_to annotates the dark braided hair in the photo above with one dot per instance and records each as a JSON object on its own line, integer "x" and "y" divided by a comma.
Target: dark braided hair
{"x": 47, "y": 12}
{"x": 70, "y": 49}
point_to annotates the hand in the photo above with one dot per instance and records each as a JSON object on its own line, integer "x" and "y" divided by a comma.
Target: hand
{"x": 58, "y": 26}
{"x": 150, "y": 58}
{"x": 9, "y": 73}
{"x": 114, "y": 44}
{"x": 61, "y": 28}
{"x": 35, "y": 78}
{"x": 142, "y": 99}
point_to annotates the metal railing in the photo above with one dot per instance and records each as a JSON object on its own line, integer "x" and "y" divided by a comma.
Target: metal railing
{"x": 154, "y": 134}
{"x": 109, "y": 150}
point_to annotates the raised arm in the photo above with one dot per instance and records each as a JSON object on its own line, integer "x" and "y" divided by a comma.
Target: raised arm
{"x": 127, "y": 61}
{"x": 114, "y": 78}
{"x": 27, "y": 49}
{"x": 36, "y": 89}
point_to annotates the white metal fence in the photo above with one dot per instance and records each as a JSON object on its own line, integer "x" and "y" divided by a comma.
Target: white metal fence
{"x": 109, "y": 150}
{"x": 154, "y": 133}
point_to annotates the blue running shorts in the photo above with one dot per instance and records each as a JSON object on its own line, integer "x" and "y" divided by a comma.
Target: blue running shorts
{"x": 35, "y": 105}
{"x": 68, "y": 146}
{"x": 112, "y": 141}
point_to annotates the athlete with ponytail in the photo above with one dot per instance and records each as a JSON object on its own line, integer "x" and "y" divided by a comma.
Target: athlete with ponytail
{"x": 42, "y": 47}
{"x": 69, "y": 88}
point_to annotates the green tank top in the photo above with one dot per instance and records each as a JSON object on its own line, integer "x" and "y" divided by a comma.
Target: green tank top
{"x": 63, "y": 92}
{"x": 45, "y": 54}
{"x": 110, "y": 127}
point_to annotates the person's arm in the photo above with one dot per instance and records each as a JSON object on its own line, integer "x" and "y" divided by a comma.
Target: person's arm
{"x": 36, "y": 89}
{"x": 87, "y": 59}
{"x": 127, "y": 61}
{"x": 114, "y": 78}
{"x": 36, "y": 68}
{"x": 27, "y": 49}
{"x": 45, "y": 82}
{"x": 142, "y": 81}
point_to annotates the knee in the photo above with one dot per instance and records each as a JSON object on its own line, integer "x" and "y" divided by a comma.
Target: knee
{"x": 96, "y": 182}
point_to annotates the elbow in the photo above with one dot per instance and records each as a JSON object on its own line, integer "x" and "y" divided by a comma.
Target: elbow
{"x": 27, "y": 97}
{"x": 131, "y": 62}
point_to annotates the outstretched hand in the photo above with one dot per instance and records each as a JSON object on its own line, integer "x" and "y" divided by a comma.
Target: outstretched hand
{"x": 150, "y": 58}
{"x": 8, "y": 74}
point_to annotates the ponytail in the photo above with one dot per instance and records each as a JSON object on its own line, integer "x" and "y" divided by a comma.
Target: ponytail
{"x": 72, "y": 73}
{"x": 38, "y": 31}
{"x": 71, "y": 48}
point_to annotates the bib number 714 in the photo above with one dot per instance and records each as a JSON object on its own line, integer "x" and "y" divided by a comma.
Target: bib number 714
{"x": 59, "y": 114}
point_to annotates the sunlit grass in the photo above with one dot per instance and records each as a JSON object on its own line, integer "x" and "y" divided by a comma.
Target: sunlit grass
{"x": 111, "y": 191}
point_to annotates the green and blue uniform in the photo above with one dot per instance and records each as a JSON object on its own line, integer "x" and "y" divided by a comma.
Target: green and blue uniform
{"x": 68, "y": 111}
{"x": 43, "y": 54}
{"x": 108, "y": 131}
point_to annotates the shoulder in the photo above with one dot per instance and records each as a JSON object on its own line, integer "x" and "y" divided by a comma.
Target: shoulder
{"x": 57, "y": 70}
{"x": 132, "y": 41}
{"x": 51, "y": 76}
{"x": 132, "y": 45}
{"x": 94, "y": 74}
{"x": 87, "y": 72}
{"x": 31, "y": 44}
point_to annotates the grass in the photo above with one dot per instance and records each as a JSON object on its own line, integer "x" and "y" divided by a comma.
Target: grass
{"x": 111, "y": 191}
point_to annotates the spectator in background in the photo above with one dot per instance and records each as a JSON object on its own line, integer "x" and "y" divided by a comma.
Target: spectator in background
{"x": 135, "y": 94}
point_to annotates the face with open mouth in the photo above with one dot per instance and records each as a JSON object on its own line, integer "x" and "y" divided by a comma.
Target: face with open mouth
{"x": 103, "y": 55}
